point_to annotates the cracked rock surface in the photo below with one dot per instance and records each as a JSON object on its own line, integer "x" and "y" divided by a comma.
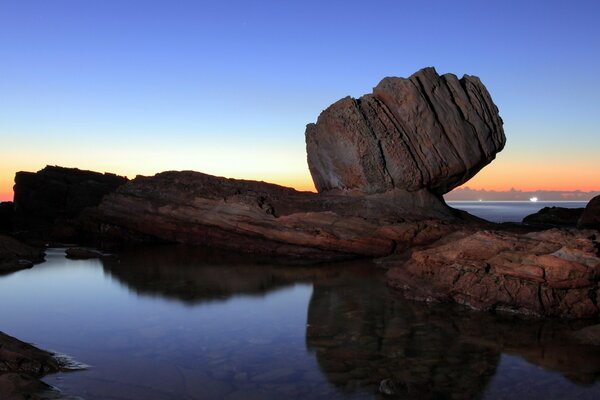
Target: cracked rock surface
{"x": 425, "y": 131}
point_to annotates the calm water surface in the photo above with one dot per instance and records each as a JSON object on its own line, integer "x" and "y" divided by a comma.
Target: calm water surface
{"x": 178, "y": 323}
{"x": 510, "y": 211}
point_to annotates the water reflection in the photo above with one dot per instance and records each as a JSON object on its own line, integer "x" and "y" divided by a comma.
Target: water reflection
{"x": 360, "y": 333}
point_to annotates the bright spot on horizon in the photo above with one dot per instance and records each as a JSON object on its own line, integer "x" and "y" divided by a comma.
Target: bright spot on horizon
{"x": 533, "y": 199}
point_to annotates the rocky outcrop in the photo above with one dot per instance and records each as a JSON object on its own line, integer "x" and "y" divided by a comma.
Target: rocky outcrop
{"x": 15, "y": 255}
{"x": 248, "y": 216}
{"x": 549, "y": 273}
{"x": 591, "y": 215}
{"x": 21, "y": 367}
{"x": 554, "y": 216}
{"x": 423, "y": 132}
{"x": 47, "y": 202}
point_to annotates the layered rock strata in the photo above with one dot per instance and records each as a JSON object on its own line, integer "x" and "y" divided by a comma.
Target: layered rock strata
{"x": 551, "y": 273}
{"x": 425, "y": 131}
{"x": 249, "y": 216}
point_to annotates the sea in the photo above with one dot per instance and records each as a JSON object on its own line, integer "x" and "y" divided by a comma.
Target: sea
{"x": 175, "y": 322}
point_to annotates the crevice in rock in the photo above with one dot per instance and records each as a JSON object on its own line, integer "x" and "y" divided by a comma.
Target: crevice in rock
{"x": 425, "y": 96}
{"x": 484, "y": 109}
{"x": 465, "y": 118}
{"x": 386, "y": 175}
{"x": 408, "y": 144}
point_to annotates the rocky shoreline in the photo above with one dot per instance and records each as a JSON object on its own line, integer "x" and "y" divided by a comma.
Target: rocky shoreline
{"x": 21, "y": 368}
{"x": 381, "y": 164}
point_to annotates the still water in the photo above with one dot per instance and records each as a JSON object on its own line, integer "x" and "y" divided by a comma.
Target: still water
{"x": 510, "y": 211}
{"x": 182, "y": 323}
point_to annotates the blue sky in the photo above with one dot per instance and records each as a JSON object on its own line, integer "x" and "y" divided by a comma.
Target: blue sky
{"x": 227, "y": 87}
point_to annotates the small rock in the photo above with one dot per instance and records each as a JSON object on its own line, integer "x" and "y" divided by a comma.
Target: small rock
{"x": 81, "y": 253}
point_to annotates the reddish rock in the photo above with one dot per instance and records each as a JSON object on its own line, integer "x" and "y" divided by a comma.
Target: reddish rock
{"x": 550, "y": 273}
{"x": 426, "y": 131}
{"x": 591, "y": 215}
{"x": 257, "y": 217}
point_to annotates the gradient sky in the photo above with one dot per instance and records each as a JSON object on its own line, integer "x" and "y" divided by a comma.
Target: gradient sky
{"x": 227, "y": 87}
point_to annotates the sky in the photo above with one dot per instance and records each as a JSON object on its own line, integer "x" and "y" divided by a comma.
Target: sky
{"x": 227, "y": 87}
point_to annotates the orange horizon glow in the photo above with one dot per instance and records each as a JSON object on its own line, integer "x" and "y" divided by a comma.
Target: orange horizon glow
{"x": 490, "y": 179}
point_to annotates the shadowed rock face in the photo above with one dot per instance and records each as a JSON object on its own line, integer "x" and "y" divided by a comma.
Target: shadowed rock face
{"x": 591, "y": 215}
{"x": 15, "y": 255}
{"x": 426, "y": 131}
{"x": 48, "y": 200}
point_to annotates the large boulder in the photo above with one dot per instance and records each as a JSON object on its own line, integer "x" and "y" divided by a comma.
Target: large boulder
{"x": 591, "y": 215}
{"x": 423, "y": 132}
{"x": 45, "y": 202}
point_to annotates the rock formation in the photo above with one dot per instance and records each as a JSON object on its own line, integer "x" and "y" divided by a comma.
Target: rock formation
{"x": 551, "y": 273}
{"x": 21, "y": 367}
{"x": 554, "y": 216}
{"x": 15, "y": 255}
{"x": 391, "y": 154}
{"x": 249, "y": 216}
{"x": 591, "y": 215}
{"x": 46, "y": 202}
{"x": 426, "y": 131}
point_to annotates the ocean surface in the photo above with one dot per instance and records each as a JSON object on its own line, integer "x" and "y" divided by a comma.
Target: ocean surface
{"x": 180, "y": 323}
{"x": 510, "y": 211}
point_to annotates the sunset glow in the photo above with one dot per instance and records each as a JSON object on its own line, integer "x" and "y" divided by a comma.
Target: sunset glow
{"x": 230, "y": 94}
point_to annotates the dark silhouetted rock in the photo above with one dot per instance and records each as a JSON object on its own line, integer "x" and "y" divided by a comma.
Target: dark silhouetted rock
{"x": 17, "y": 356}
{"x": 257, "y": 217}
{"x": 21, "y": 367}
{"x": 15, "y": 255}
{"x": 554, "y": 216}
{"x": 48, "y": 201}
{"x": 424, "y": 132}
{"x": 6, "y": 217}
{"x": 591, "y": 215}
{"x": 547, "y": 273}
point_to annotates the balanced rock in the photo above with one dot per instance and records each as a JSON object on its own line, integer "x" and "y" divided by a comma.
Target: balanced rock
{"x": 425, "y": 131}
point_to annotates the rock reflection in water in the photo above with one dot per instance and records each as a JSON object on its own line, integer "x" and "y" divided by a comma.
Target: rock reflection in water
{"x": 361, "y": 333}
{"x": 195, "y": 275}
